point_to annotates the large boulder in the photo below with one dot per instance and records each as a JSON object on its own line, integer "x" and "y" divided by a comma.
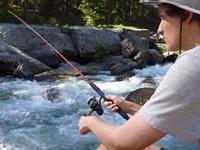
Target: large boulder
{"x": 26, "y": 40}
{"x": 128, "y": 49}
{"x": 135, "y": 40}
{"x": 142, "y": 58}
{"x": 91, "y": 42}
{"x": 121, "y": 68}
{"x": 104, "y": 64}
{"x": 15, "y": 62}
{"x": 155, "y": 57}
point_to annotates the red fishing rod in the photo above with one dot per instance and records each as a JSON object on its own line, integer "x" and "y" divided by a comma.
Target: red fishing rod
{"x": 93, "y": 103}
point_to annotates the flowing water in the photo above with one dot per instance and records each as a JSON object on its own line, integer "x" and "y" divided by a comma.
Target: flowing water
{"x": 30, "y": 121}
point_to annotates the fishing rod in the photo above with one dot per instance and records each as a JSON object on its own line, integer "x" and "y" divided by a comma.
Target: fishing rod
{"x": 93, "y": 103}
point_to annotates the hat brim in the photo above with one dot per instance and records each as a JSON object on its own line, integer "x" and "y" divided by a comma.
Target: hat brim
{"x": 156, "y": 3}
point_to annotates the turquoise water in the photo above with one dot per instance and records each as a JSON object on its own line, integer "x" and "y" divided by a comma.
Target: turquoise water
{"x": 29, "y": 121}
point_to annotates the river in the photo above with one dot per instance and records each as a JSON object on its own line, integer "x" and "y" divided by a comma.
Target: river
{"x": 29, "y": 121}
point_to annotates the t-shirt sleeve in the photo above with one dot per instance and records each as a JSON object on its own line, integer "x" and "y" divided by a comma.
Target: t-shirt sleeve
{"x": 175, "y": 106}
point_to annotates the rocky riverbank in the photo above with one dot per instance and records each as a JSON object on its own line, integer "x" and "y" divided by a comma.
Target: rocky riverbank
{"x": 25, "y": 55}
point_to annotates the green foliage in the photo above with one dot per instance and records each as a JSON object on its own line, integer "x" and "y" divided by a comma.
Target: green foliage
{"x": 118, "y": 20}
{"x": 161, "y": 48}
{"x": 52, "y": 21}
{"x": 100, "y": 51}
{"x": 32, "y": 17}
{"x": 92, "y": 11}
{"x": 81, "y": 12}
{"x": 116, "y": 26}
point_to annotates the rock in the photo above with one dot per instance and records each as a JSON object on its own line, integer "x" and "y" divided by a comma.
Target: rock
{"x": 52, "y": 94}
{"x": 150, "y": 82}
{"x": 62, "y": 72}
{"x": 87, "y": 69}
{"x": 24, "y": 39}
{"x": 7, "y": 65}
{"x": 22, "y": 71}
{"x": 143, "y": 55}
{"x": 104, "y": 64}
{"x": 170, "y": 58}
{"x": 155, "y": 57}
{"x": 94, "y": 49}
{"x": 128, "y": 49}
{"x": 122, "y": 68}
{"x": 142, "y": 58}
{"x": 11, "y": 58}
{"x": 90, "y": 41}
{"x": 138, "y": 37}
{"x": 126, "y": 61}
{"x": 141, "y": 95}
{"x": 124, "y": 76}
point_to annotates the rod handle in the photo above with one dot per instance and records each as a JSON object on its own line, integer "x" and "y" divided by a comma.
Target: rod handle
{"x": 122, "y": 113}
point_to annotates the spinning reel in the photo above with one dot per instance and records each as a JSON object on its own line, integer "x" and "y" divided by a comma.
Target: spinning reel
{"x": 95, "y": 105}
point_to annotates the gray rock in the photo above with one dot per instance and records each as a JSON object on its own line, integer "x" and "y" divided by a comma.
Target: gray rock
{"x": 128, "y": 49}
{"x": 137, "y": 38}
{"x": 21, "y": 37}
{"x": 155, "y": 57}
{"x": 142, "y": 58}
{"x": 123, "y": 68}
{"x": 141, "y": 95}
{"x": 11, "y": 58}
{"x": 52, "y": 94}
{"x": 22, "y": 71}
{"x": 90, "y": 40}
{"x": 124, "y": 76}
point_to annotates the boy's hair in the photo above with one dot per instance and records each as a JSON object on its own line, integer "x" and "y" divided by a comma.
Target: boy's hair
{"x": 176, "y": 11}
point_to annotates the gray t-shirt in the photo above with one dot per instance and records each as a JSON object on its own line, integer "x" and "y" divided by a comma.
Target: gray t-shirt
{"x": 175, "y": 106}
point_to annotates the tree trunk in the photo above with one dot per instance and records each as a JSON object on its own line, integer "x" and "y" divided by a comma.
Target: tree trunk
{"x": 110, "y": 5}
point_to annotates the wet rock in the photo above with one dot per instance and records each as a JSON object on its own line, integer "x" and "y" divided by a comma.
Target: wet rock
{"x": 150, "y": 82}
{"x": 141, "y": 95}
{"x": 23, "y": 71}
{"x": 53, "y": 94}
{"x": 104, "y": 64}
{"x": 142, "y": 56}
{"x": 119, "y": 69}
{"x": 124, "y": 76}
{"x": 170, "y": 58}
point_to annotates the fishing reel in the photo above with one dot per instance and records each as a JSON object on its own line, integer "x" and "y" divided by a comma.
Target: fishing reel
{"x": 95, "y": 105}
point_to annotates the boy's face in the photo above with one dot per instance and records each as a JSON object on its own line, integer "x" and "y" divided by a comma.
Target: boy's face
{"x": 169, "y": 29}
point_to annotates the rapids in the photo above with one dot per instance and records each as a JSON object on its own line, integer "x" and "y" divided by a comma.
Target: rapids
{"x": 29, "y": 121}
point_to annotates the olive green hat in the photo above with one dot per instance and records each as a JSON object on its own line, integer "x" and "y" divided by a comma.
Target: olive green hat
{"x": 189, "y": 5}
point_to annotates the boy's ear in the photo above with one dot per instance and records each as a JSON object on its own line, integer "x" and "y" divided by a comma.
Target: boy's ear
{"x": 188, "y": 17}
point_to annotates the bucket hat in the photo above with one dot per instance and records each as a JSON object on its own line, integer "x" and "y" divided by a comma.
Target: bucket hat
{"x": 189, "y": 5}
